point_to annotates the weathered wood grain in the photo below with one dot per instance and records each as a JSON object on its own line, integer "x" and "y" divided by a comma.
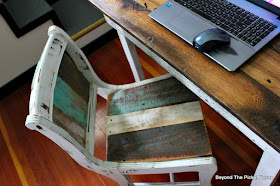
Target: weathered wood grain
{"x": 244, "y": 92}
{"x": 161, "y": 143}
{"x": 153, "y": 118}
{"x": 70, "y": 103}
{"x": 161, "y": 93}
{"x": 69, "y": 73}
{"x": 71, "y": 96}
{"x": 69, "y": 125}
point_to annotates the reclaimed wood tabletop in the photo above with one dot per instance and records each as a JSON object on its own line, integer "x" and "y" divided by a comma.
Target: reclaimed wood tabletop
{"x": 251, "y": 93}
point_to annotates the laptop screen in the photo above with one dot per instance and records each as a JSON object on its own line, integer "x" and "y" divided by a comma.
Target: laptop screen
{"x": 273, "y": 2}
{"x": 270, "y": 5}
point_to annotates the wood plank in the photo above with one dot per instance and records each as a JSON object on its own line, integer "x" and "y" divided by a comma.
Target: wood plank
{"x": 70, "y": 103}
{"x": 153, "y": 118}
{"x": 69, "y": 125}
{"x": 158, "y": 144}
{"x": 69, "y": 73}
{"x": 264, "y": 68}
{"x": 239, "y": 92}
{"x": 152, "y": 95}
{"x": 150, "y": 5}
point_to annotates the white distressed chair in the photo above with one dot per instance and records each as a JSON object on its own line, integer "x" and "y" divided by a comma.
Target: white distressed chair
{"x": 154, "y": 126}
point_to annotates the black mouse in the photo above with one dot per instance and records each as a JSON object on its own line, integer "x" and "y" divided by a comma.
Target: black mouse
{"x": 211, "y": 39}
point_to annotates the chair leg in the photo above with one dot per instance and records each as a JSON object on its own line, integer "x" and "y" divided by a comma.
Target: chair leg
{"x": 206, "y": 175}
{"x": 171, "y": 176}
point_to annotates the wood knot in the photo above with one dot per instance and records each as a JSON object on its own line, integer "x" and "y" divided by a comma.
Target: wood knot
{"x": 150, "y": 39}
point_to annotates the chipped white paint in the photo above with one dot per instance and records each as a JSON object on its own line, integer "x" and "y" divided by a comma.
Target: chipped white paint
{"x": 272, "y": 168}
{"x": 90, "y": 130}
{"x": 41, "y": 119}
{"x": 49, "y": 62}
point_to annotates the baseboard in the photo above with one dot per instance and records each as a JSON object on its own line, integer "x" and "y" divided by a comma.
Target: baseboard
{"x": 27, "y": 76}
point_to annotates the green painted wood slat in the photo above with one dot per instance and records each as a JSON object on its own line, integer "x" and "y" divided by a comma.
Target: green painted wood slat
{"x": 161, "y": 93}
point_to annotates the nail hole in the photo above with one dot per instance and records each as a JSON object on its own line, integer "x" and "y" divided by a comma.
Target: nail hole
{"x": 269, "y": 81}
{"x": 39, "y": 127}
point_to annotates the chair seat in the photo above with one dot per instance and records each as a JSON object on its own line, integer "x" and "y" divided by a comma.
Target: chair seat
{"x": 155, "y": 122}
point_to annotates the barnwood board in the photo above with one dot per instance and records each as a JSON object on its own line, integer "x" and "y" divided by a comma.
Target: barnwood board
{"x": 152, "y": 95}
{"x": 70, "y": 103}
{"x": 69, "y": 73}
{"x": 155, "y": 117}
{"x": 158, "y": 144}
{"x": 240, "y": 92}
{"x": 69, "y": 125}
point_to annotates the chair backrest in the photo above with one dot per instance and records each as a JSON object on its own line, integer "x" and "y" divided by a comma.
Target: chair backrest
{"x": 63, "y": 100}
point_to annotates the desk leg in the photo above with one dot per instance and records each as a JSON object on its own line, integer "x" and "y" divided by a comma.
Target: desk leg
{"x": 132, "y": 57}
{"x": 268, "y": 169}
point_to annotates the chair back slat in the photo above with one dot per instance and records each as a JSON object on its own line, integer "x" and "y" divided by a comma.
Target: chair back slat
{"x": 71, "y": 97}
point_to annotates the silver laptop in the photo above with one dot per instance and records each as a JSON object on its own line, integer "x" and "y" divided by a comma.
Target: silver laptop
{"x": 251, "y": 24}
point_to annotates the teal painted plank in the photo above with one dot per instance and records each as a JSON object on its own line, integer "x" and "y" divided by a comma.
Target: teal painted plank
{"x": 70, "y": 103}
{"x": 162, "y": 93}
{"x": 69, "y": 73}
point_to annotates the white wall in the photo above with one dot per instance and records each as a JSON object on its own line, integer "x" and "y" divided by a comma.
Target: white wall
{"x": 19, "y": 54}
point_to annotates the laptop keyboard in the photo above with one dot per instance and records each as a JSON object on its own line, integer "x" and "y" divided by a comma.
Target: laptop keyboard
{"x": 235, "y": 20}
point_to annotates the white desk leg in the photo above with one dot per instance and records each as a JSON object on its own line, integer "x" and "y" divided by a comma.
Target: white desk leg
{"x": 132, "y": 57}
{"x": 267, "y": 169}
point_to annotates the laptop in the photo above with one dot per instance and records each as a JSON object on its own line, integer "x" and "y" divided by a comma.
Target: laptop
{"x": 250, "y": 23}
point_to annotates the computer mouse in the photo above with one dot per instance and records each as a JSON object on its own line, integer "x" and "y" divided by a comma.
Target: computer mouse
{"x": 211, "y": 39}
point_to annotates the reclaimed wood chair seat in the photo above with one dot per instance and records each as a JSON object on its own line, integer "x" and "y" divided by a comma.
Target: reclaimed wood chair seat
{"x": 158, "y": 121}
{"x": 153, "y": 127}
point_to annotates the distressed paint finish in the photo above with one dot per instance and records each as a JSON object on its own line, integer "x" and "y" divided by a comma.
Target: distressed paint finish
{"x": 70, "y": 103}
{"x": 162, "y": 93}
{"x": 162, "y": 143}
{"x": 64, "y": 133}
{"x": 68, "y": 124}
{"x": 73, "y": 77}
{"x": 154, "y": 141}
{"x": 154, "y": 117}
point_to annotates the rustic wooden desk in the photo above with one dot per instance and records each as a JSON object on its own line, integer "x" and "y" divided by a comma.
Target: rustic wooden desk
{"x": 249, "y": 98}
